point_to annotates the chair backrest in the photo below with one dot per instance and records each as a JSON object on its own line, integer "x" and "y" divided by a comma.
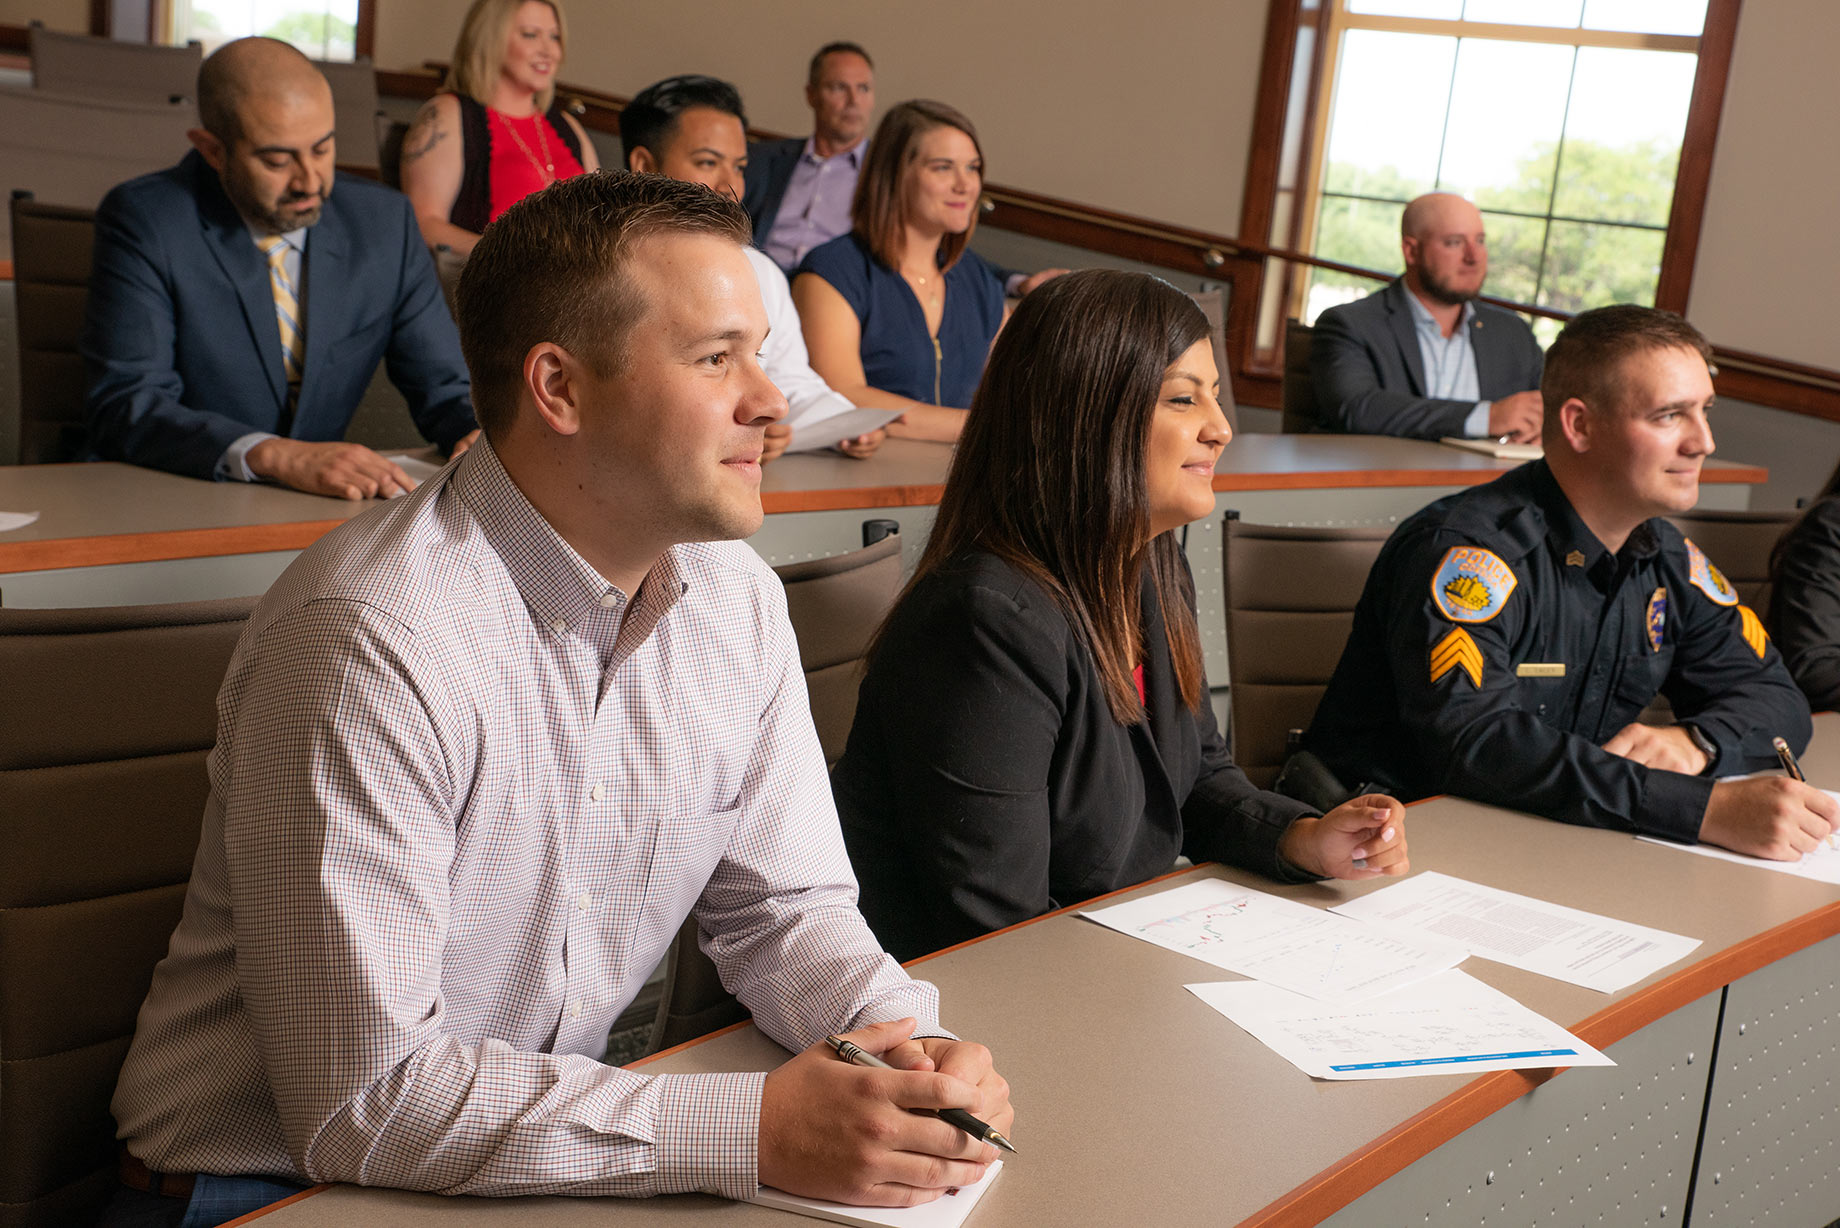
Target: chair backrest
{"x": 1214, "y": 306}
{"x": 354, "y": 110}
{"x": 109, "y": 68}
{"x": 390, "y": 134}
{"x": 1740, "y": 543}
{"x": 836, "y": 605}
{"x": 1299, "y": 394}
{"x": 71, "y": 151}
{"x": 108, "y": 718}
{"x": 1290, "y": 597}
{"x": 50, "y": 287}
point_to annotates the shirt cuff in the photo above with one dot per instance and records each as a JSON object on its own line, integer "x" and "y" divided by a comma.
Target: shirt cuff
{"x": 1673, "y": 806}
{"x": 1012, "y": 287}
{"x": 233, "y": 465}
{"x": 1477, "y": 424}
{"x": 709, "y": 1134}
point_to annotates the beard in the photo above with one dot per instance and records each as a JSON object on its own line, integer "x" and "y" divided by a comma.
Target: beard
{"x": 1443, "y": 291}
{"x": 273, "y": 216}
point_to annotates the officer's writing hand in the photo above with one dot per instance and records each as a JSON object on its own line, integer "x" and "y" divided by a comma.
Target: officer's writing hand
{"x": 1361, "y": 838}
{"x": 1667, "y": 747}
{"x": 850, "y": 1134}
{"x": 1517, "y": 417}
{"x": 1768, "y": 816}
{"x": 342, "y": 470}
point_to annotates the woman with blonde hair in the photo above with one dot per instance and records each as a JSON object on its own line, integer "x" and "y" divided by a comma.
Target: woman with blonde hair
{"x": 495, "y": 133}
{"x": 899, "y": 313}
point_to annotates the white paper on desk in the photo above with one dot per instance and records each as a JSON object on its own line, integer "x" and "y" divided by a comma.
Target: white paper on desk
{"x": 1289, "y": 944}
{"x": 1822, "y": 865}
{"x": 1500, "y": 451}
{"x": 1565, "y": 943}
{"x": 828, "y": 432}
{"x": 417, "y": 467}
{"x": 1450, "y": 1024}
{"x": 16, "y": 520}
{"x": 947, "y": 1211}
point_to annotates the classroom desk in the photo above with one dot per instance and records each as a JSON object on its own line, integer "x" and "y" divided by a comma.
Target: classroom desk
{"x": 1138, "y": 1104}
{"x": 111, "y": 534}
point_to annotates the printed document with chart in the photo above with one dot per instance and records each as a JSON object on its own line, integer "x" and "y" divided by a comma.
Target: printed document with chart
{"x": 1291, "y": 945}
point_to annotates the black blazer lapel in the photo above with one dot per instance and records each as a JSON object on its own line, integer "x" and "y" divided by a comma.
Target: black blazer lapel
{"x": 1405, "y": 334}
{"x": 228, "y": 240}
{"x": 1162, "y": 740}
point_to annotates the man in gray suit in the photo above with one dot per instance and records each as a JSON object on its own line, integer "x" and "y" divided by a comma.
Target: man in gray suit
{"x": 1422, "y": 357}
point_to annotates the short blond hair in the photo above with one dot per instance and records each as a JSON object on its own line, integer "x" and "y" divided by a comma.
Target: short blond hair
{"x": 479, "y": 53}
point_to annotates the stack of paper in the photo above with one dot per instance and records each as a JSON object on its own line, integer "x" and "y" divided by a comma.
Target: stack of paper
{"x": 947, "y": 1211}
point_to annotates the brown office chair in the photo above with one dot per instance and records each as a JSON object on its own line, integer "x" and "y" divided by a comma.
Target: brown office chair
{"x": 109, "y": 715}
{"x": 1290, "y": 595}
{"x": 111, "y": 68}
{"x": 835, "y": 604}
{"x": 1299, "y": 394}
{"x": 1740, "y": 544}
{"x": 390, "y": 134}
{"x": 51, "y": 249}
{"x": 355, "y": 110}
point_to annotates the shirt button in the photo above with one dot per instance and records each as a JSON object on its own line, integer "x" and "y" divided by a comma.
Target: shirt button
{"x": 598, "y": 792}
{"x": 575, "y": 1011}
{"x": 582, "y": 901}
{"x": 609, "y": 600}
{"x": 559, "y": 625}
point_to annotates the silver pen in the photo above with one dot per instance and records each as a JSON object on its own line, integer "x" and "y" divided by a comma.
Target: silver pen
{"x": 856, "y": 1055}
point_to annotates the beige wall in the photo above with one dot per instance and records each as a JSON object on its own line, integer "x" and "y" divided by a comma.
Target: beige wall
{"x": 72, "y": 15}
{"x": 1769, "y": 253}
{"x": 1143, "y": 107}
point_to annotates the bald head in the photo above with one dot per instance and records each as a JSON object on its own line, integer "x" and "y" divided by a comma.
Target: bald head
{"x": 249, "y": 69}
{"x": 1445, "y": 251}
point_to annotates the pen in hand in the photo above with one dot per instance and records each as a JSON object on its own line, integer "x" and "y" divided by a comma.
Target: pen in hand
{"x": 1794, "y": 769}
{"x": 856, "y": 1055}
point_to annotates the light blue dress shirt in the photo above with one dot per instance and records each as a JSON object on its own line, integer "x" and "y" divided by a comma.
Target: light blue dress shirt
{"x": 1450, "y": 363}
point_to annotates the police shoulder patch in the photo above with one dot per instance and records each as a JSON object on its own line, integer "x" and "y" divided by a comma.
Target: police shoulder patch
{"x": 1707, "y": 578}
{"x": 1472, "y": 585}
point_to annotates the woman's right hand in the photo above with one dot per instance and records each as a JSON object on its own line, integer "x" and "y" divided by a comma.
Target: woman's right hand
{"x": 1363, "y": 837}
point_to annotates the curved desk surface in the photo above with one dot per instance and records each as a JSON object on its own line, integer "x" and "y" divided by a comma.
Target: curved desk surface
{"x": 1137, "y": 1103}
{"x": 103, "y": 514}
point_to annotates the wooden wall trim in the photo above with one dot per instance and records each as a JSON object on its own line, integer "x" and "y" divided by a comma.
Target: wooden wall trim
{"x": 364, "y": 41}
{"x": 15, "y": 38}
{"x": 102, "y": 16}
{"x": 1693, "y": 176}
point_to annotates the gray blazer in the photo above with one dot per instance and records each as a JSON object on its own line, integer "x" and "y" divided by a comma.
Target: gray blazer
{"x": 1370, "y": 377}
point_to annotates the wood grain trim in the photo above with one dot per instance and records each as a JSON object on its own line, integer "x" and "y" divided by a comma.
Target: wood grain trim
{"x": 1360, "y": 1171}
{"x": 364, "y": 41}
{"x": 289, "y": 1201}
{"x": 15, "y": 38}
{"x": 6, "y": 270}
{"x": 772, "y": 501}
{"x": 54, "y": 553}
{"x": 1693, "y": 174}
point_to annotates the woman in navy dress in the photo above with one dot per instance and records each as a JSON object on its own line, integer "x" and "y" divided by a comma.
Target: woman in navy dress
{"x": 898, "y": 313}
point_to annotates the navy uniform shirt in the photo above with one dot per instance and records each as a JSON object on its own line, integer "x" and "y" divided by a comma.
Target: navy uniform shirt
{"x": 1498, "y": 646}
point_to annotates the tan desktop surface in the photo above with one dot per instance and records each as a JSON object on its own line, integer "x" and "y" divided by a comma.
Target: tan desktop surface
{"x": 1138, "y": 1104}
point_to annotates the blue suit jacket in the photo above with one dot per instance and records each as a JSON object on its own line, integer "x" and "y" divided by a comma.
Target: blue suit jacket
{"x": 180, "y": 345}
{"x": 1370, "y": 377}
{"x": 769, "y": 170}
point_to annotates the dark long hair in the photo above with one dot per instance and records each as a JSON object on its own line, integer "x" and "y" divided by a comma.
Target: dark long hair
{"x": 1049, "y": 474}
{"x": 1778, "y": 551}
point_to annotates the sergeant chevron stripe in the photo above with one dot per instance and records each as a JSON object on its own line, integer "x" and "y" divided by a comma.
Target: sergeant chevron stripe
{"x": 1751, "y": 627}
{"x": 1457, "y": 650}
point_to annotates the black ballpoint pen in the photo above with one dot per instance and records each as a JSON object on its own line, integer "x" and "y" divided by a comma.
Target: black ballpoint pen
{"x": 856, "y": 1055}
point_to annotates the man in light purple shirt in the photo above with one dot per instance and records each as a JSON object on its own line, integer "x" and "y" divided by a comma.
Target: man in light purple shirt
{"x": 799, "y": 189}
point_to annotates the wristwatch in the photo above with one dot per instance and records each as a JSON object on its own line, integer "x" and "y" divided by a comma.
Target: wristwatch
{"x": 1704, "y": 743}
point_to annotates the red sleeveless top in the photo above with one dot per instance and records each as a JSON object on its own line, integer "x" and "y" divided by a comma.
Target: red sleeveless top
{"x": 526, "y": 157}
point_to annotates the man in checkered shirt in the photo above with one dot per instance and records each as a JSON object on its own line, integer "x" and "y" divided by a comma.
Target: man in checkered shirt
{"x": 482, "y": 750}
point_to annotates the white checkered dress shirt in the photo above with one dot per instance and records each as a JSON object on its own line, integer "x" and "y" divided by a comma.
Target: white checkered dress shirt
{"x": 456, "y": 815}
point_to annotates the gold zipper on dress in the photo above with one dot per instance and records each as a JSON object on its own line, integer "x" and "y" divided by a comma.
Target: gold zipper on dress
{"x": 938, "y": 357}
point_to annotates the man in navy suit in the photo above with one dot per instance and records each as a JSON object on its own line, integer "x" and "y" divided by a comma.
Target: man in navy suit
{"x": 239, "y": 304}
{"x": 1422, "y": 357}
{"x": 799, "y": 190}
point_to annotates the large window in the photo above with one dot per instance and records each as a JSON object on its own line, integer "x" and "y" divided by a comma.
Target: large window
{"x": 324, "y": 29}
{"x": 1561, "y": 119}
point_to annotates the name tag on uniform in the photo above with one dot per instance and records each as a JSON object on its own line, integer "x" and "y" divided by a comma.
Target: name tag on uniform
{"x": 1540, "y": 669}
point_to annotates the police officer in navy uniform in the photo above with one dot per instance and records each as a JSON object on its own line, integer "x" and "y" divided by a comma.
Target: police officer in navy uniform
{"x": 1509, "y": 635}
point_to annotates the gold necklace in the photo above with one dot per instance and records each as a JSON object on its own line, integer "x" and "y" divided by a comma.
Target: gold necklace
{"x": 546, "y": 165}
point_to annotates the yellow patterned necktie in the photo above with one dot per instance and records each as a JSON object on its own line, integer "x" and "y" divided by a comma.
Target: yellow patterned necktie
{"x": 287, "y": 313}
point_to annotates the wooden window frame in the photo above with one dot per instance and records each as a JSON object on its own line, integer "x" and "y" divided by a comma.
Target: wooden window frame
{"x": 1286, "y": 22}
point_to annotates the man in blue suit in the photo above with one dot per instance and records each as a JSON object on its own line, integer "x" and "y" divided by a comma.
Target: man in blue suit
{"x": 1422, "y": 357}
{"x": 799, "y": 190}
{"x": 239, "y": 302}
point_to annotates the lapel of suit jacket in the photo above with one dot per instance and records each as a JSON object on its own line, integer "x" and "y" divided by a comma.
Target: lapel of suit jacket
{"x": 1405, "y": 333}
{"x": 228, "y": 239}
{"x": 1158, "y": 737}
{"x": 1487, "y": 345}
{"x": 330, "y": 292}
{"x": 790, "y": 151}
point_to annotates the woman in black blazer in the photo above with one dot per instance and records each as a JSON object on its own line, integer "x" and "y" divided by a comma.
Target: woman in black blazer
{"x": 1804, "y": 614}
{"x": 1034, "y": 728}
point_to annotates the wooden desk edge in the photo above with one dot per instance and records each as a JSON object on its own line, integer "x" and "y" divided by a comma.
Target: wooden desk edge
{"x": 50, "y": 554}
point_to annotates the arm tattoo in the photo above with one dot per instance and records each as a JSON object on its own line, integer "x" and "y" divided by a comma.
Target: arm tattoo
{"x": 424, "y": 134}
